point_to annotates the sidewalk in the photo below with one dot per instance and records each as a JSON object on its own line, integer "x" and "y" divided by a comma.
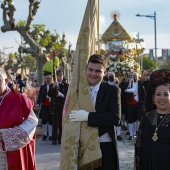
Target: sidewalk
{"x": 126, "y": 152}
{"x": 48, "y": 155}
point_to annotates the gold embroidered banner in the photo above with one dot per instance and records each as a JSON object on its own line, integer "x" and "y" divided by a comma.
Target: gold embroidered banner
{"x": 80, "y": 148}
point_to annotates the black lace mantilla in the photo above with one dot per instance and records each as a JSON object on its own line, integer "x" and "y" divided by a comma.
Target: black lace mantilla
{"x": 157, "y": 77}
{"x": 153, "y": 116}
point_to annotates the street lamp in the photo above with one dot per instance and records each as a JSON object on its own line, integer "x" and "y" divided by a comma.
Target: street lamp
{"x": 4, "y": 48}
{"x": 153, "y": 16}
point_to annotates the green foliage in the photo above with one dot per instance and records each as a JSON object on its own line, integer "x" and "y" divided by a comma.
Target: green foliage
{"x": 21, "y": 23}
{"x": 57, "y": 62}
{"x": 166, "y": 65}
{"x": 29, "y": 59}
{"x": 12, "y": 56}
{"x": 48, "y": 66}
{"x": 148, "y": 64}
{"x": 39, "y": 27}
{"x": 47, "y": 39}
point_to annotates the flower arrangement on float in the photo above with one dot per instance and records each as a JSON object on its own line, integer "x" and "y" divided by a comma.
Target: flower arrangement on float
{"x": 122, "y": 69}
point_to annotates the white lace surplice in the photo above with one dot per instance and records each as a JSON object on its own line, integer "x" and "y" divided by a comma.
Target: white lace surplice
{"x": 3, "y": 160}
{"x": 17, "y": 137}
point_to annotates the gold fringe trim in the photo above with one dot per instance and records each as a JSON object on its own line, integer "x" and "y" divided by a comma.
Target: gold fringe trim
{"x": 92, "y": 165}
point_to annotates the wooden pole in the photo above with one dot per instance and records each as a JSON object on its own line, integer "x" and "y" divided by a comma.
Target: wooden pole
{"x": 98, "y": 28}
{"x": 54, "y": 67}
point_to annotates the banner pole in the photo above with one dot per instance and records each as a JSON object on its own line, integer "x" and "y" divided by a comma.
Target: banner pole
{"x": 98, "y": 27}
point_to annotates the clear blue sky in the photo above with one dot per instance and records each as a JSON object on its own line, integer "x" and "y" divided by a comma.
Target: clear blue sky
{"x": 66, "y": 16}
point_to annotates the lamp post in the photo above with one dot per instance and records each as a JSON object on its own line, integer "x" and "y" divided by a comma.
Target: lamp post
{"x": 153, "y": 16}
{"x": 5, "y": 48}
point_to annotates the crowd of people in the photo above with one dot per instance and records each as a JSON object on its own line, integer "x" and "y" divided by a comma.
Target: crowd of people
{"x": 18, "y": 101}
{"x": 133, "y": 88}
{"x": 17, "y": 128}
{"x": 139, "y": 104}
{"x": 50, "y": 102}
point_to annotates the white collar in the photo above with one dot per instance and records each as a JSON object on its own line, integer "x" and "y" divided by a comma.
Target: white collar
{"x": 96, "y": 87}
{"x": 111, "y": 82}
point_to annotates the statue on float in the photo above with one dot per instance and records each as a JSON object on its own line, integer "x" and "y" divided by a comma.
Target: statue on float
{"x": 121, "y": 49}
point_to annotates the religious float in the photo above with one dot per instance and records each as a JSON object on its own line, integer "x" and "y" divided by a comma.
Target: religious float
{"x": 123, "y": 50}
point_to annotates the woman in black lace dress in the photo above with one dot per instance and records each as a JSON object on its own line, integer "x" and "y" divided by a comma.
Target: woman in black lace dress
{"x": 152, "y": 148}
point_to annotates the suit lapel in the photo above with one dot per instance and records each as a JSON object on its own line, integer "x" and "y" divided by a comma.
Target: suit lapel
{"x": 100, "y": 94}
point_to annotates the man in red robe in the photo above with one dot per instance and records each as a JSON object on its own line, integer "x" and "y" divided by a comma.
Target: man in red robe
{"x": 17, "y": 129}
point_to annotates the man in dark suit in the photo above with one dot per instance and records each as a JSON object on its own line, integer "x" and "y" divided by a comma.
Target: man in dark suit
{"x": 114, "y": 81}
{"x": 57, "y": 92}
{"x": 44, "y": 102}
{"x": 106, "y": 99}
{"x": 134, "y": 95}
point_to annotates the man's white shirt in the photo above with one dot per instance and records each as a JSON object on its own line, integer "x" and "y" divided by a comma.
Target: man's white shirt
{"x": 94, "y": 90}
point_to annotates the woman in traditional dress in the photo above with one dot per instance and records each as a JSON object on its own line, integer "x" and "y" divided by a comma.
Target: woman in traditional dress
{"x": 152, "y": 148}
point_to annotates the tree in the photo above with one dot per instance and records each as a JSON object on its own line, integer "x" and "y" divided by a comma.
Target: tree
{"x": 166, "y": 65}
{"x": 36, "y": 37}
{"x": 12, "y": 64}
{"x": 16, "y": 62}
{"x": 148, "y": 64}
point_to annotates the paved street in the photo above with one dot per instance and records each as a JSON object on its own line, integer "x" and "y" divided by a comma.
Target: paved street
{"x": 48, "y": 155}
{"x": 126, "y": 152}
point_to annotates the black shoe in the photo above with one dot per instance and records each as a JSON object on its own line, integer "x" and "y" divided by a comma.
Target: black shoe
{"x": 59, "y": 141}
{"x": 50, "y": 138}
{"x": 54, "y": 142}
{"x": 124, "y": 128}
{"x": 44, "y": 138}
{"x": 131, "y": 138}
{"x": 119, "y": 138}
{"x": 127, "y": 133}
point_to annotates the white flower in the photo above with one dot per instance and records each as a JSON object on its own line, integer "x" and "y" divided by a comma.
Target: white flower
{"x": 111, "y": 68}
{"x": 130, "y": 64}
{"x": 123, "y": 68}
{"x": 124, "y": 72}
{"x": 111, "y": 63}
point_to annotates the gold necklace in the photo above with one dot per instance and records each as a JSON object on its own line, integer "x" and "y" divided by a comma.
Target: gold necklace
{"x": 155, "y": 137}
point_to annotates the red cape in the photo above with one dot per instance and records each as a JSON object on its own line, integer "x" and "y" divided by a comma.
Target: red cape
{"x": 14, "y": 110}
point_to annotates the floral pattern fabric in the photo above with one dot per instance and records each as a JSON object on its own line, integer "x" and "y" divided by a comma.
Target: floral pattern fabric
{"x": 13, "y": 139}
